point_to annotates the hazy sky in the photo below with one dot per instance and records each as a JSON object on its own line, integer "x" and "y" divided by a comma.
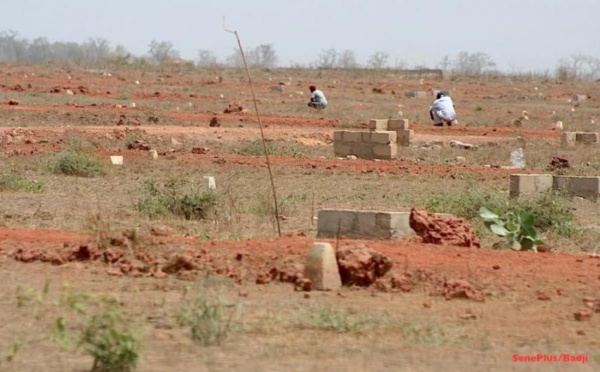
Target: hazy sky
{"x": 519, "y": 35}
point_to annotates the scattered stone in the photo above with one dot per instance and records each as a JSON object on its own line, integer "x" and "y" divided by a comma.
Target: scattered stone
{"x": 199, "y": 150}
{"x": 541, "y": 296}
{"x": 459, "y": 288}
{"x": 69, "y": 92}
{"x": 13, "y": 102}
{"x": 303, "y": 285}
{"x": 583, "y": 315}
{"x": 468, "y": 315}
{"x": 462, "y": 145}
{"x": 461, "y": 159}
{"x": 322, "y": 268}
{"x": 215, "y": 122}
{"x": 138, "y": 145}
{"x": 153, "y": 154}
{"x": 175, "y": 142}
{"x": 233, "y": 107}
{"x": 442, "y": 230}
{"x": 161, "y": 231}
{"x": 361, "y": 265}
{"x": 559, "y": 163}
{"x": 179, "y": 262}
{"x": 402, "y": 282}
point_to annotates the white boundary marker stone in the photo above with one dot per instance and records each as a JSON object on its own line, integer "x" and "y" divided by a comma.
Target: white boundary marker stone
{"x": 116, "y": 160}
{"x": 322, "y": 268}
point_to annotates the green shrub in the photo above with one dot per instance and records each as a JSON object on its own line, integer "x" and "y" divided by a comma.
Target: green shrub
{"x": 16, "y": 182}
{"x": 75, "y": 163}
{"x": 209, "y": 318}
{"x": 103, "y": 330}
{"x": 516, "y": 227}
{"x": 549, "y": 209}
{"x": 175, "y": 198}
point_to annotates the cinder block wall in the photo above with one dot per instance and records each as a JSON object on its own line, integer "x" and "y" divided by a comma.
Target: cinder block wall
{"x": 356, "y": 224}
{"x": 380, "y": 142}
{"x": 575, "y": 138}
{"x": 530, "y": 184}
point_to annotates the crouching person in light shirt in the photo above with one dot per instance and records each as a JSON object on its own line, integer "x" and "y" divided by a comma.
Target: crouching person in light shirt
{"x": 317, "y": 98}
{"x": 442, "y": 110}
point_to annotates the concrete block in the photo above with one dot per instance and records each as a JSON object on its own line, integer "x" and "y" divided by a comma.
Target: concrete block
{"x": 580, "y": 97}
{"x": 398, "y": 124}
{"x": 330, "y": 221}
{"x": 116, "y": 160}
{"x": 383, "y": 138}
{"x": 562, "y": 183}
{"x": 322, "y": 268}
{"x": 362, "y": 150}
{"x": 338, "y": 136}
{"x": 568, "y": 138}
{"x": 342, "y": 149}
{"x": 586, "y": 187}
{"x": 405, "y": 137}
{"x": 153, "y": 154}
{"x": 349, "y": 136}
{"x": 366, "y": 137}
{"x": 396, "y": 224}
{"x": 385, "y": 151}
{"x": 587, "y": 137}
{"x": 527, "y": 184}
{"x": 378, "y": 124}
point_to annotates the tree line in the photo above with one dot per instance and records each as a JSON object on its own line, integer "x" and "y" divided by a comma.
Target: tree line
{"x": 98, "y": 52}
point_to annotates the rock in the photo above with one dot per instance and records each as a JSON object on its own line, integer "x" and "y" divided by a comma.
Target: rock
{"x": 361, "y": 265}
{"x": 582, "y": 315}
{"x": 153, "y": 154}
{"x": 175, "y": 142}
{"x": 459, "y": 288}
{"x": 161, "y": 231}
{"x": 304, "y": 285}
{"x": 179, "y": 262}
{"x": 321, "y": 268}
{"x": 402, "y": 282}
{"x": 233, "y": 107}
{"x": 559, "y": 163}
{"x": 138, "y": 145}
{"x": 69, "y": 92}
{"x": 13, "y": 102}
{"x": 199, "y": 150}
{"x": 214, "y": 122}
{"x": 442, "y": 230}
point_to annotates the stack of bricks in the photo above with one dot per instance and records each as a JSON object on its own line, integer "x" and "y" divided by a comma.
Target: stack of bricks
{"x": 574, "y": 138}
{"x": 380, "y": 142}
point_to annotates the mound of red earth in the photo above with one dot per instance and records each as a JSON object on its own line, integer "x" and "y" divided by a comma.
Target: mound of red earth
{"x": 442, "y": 229}
{"x": 361, "y": 265}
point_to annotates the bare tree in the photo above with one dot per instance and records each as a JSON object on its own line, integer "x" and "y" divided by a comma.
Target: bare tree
{"x": 579, "y": 66}
{"x": 327, "y": 59}
{"x": 472, "y": 64}
{"x": 378, "y": 60}
{"x": 206, "y": 58}
{"x": 347, "y": 59}
{"x": 162, "y": 51}
{"x": 265, "y": 55}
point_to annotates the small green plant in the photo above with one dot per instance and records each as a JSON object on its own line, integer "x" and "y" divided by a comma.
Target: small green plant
{"x": 256, "y": 148}
{"x": 75, "y": 163}
{"x": 102, "y": 330}
{"x": 209, "y": 318}
{"x": 15, "y": 182}
{"x": 478, "y": 108}
{"x": 176, "y": 198}
{"x": 345, "y": 320}
{"x": 517, "y": 227}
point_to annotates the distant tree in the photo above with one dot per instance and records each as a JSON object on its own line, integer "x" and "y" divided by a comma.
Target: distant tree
{"x": 327, "y": 59}
{"x": 163, "y": 51}
{"x": 347, "y": 59}
{"x": 265, "y": 56}
{"x": 445, "y": 64}
{"x": 472, "y": 64}
{"x": 206, "y": 58}
{"x": 579, "y": 66}
{"x": 378, "y": 60}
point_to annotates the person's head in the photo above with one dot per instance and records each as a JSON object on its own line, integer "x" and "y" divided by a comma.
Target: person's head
{"x": 312, "y": 88}
{"x": 440, "y": 95}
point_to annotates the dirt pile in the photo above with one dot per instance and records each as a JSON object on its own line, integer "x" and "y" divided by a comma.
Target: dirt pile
{"x": 442, "y": 230}
{"x": 361, "y": 265}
